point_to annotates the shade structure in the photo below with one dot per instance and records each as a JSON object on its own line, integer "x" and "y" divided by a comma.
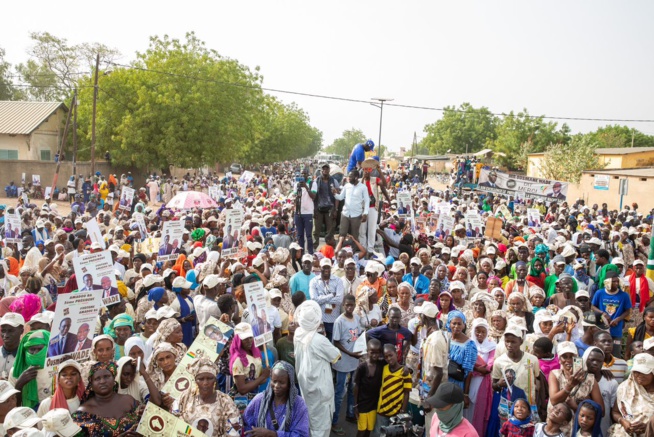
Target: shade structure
{"x": 190, "y": 200}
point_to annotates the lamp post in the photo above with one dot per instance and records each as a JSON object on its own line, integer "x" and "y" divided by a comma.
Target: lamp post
{"x": 381, "y": 101}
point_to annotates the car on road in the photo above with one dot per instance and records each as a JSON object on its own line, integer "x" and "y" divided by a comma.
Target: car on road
{"x": 236, "y": 168}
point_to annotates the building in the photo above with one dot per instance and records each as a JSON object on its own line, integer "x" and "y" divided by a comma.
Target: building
{"x": 609, "y": 158}
{"x": 31, "y": 131}
{"x": 602, "y": 186}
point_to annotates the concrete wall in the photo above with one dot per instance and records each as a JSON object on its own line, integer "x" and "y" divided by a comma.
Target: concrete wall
{"x": 640, "y": 192}
{"x": 45, "y": 137}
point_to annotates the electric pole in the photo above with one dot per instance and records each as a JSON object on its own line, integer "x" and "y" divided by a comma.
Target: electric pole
{"x": 95, "y": 101}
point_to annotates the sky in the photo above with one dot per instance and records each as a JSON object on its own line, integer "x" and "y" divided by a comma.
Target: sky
{"x": 584, "y": 59}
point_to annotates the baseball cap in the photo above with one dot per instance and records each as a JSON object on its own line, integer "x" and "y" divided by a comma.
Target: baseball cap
{"x": 648, "y": 344}
{"x": 29, "y": 432}
{"x": 257, "y": 262}
{"x": 212, "y": 280}
{"x": 13, "y": 319}
{"x": 325, "y": 262}
{"x": 397, "y": 266}
{"x": 415, "y": 261}
{"x": 500, "y": 264}
{"x": 349, "y": 261}
{"x": 243, "y": 330}
{"x": 491, "y": 250}
{"x": 429, "y": 309}
{"x": 96, "y": 246}
{"x": 307, "y": 257}
{"x": 591, "y": 318}
{"x": 275, "y": 293}
{"x": 514, "y": 330}
{"x": 446, "y": 394}
{"x": 457, "y": 285}
{"x": 582, "y": 293}
{"x": 639, "y": 262}
{"x": 167, "y": 272}
{"x": 6, "y": 390}
{"x": 166, "y": 312}
{"x": 235, "y": 266}
{"x": 44, "y": 317}
{"x": 595, "y": 240}
{"x": 21, "y": 417}
{"x": 566, "y": 347}
{"x": 643, "y": 363}
{"x": 59, "y": 421}
{"x": 181, "y": 282}
{"x": 151, "y": 280}
{"x": 146, "y": 266}
{"x": 617, "y": 260}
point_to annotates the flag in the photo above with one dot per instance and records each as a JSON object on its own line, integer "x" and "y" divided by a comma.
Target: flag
{"x": 191, "y": 354}
{"x": 650, "y": 258}
{"x": 188, "y": 431}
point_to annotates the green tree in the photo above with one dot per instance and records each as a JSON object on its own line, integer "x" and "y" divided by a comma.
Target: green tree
{"x": 343, "y": 146}
{"x": 567, "y": 161}
{"x": 520, "y": 134}
{"x": 620, "y": 136}
{"x": 7, "y": 89}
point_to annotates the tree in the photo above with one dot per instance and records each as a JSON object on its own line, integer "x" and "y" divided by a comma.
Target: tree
{"x": 620, "y": 136}
{"x": 462, "y": 130}
{"x": 520, "y": 134}
{"x": 7, "y": 89}
{"x": 567, "y": 161}
{"x": 343, "y": 146}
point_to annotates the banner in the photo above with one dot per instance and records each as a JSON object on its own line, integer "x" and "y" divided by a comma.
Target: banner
{"x": 255, "y": 296}
{"x": 12, "y": 228}
{"x": 171, "y": 240}
{"x": 246, "y": 177}
{"x": 492, "y": 181}
{"x": 94, "y": 233}
{"x": 533, "y": 218}
{"x": 445, "y": 226}
{"x": 209, "y": 343}
{"x": 601, "y": 182}
{"x": 126, "y": 198}
{"x": 140, "y": 222}
{"x": 73, "y": 326}
{"x": 404, "y": 204}
{"x": 474, "y": 225}
{"x": 156, "y": 421}
{"x": 95, "y": 271}
{"x": 36, "y": 179}
{"x": 232, "y": 233}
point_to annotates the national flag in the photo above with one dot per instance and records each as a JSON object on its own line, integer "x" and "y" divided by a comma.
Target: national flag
{"x": 650, "y": 259}
{"x": 188, "y": 430}
{"x": 190, "y": 354}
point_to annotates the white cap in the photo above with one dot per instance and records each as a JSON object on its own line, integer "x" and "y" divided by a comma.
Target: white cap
{"x": 96, "y": 246}
{"x": 181, "y": 282}
{"x": 639, "y": 262}
{"x": 29, "y": 432}
{"x": 350, "y": 261}
{"x": 515, "y": 331}
{"x": 254, "y": 245}
{"x": 617, "y": 260}
{"x": 146, "y": 266}
{"x": 307, "y": 257}
{"x": 427, "y": 308}
{"x": 6, "y": 390}
{"x": 457, "y": 285}
{"x": 59, "y": 421}
{"x": 212, "y": 280}
{"x": 566, "y": 347}
{"x": 446, "y": 250}
{"x": 325, "y": 262}
{"x": 235, "y": 266}
{"x": 595, "y": 240}
{"x": 295, "y": 246}
{"x": 151, "y": 314}
{"x": 582, "y": 293}
{"x": 491, "y": 250}
{"x": 243, "y": 330}
{"x": 258, "y": 262}
{"x": 397, "y": 266}
{"x": 370, "y": 268}
{"x": 275, "y": 293}
{"x": 167, "y": 273}
{"x": 648, "y": 344}
{"x": 13, "y": 319}
{"x": 415, "y": 260}
{"x": 643, "y": 363}
{"x": 458, "y": 227}
{"x": 166, "y": 312}
{"x": 21, "y": 417}
{"x": 151, "y": 280}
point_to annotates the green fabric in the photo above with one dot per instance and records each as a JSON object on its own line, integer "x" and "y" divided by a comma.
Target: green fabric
{"x": 197, "y": 234}
{"x": 450, "y": 419}
{"x": 533, "y": 271}
{"x": 118, "y": 321}
{"x": 550, "y": 285}
{"x": 601, "y": 276}
{"x": 25, "y": 360}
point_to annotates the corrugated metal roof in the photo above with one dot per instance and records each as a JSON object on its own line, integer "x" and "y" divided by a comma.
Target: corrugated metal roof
{"x": 644, "y": 172}
{"x": 623, "y": 150}
{"x": 22, "y": 118}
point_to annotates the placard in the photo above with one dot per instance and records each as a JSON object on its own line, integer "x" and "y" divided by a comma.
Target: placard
{"x": 524, "y": 187}
{"x": 36, "y": 179}
{"x": 148, "y": 246}
{"x": 445, "y": 226}
{"x": 494, "y": 228}
{"x": 156, "y": 421}
{"x": 73, "y": 326}
{"x": 94, "y": 233}
{"x": 246, "y": 177}
{"x": 215, "y": 193}
{"x": 126, "y": 198}
{"x": 12, "y": 228}
{"x": 262, "y": 329}
{"x": 404, "y": 204}
{"x": 601, "y": 182}
{"x": 474, "y": 225}
{"x": 505, "y": 211}
{"x": 22, "y": 178}
{"x": 533, "y": 218}
{"x": 232, "y": 232}
{"x": 95, "y": 271}
{"x": 142, "y": 228}
{"x": 433, "y": 204}
{"x": 171, "y": 240}
{"x": 48, "y": 192}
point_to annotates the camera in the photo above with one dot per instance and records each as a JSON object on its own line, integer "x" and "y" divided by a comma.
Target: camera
{"x": 401, "y": 426}
{"x": 299, "y": 179}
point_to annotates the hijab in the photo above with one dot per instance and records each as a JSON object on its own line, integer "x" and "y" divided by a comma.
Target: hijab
{"x": 309, "y": 317}
{"x": 454, "y": 314}
{"x": 28, "y": 305}
{"x": 493, "y": 332}
{"x": 268, "y": 398}
{"x": 109, "y": 366}
{"x": 133, "y": 342}
{"x": 236, "y": 351}
{"x": 5, "y": 304}
{"x": 526, "y": 423}
{"x": 166, "y": 327}
{"x": 96, "y": 340}
{"x": 133, "y": 388}
{"x": 488, "y": 345}
{"x": 59, "y": 398}
{"x": 24, "y": 360}
{"x": 597, "y": 430}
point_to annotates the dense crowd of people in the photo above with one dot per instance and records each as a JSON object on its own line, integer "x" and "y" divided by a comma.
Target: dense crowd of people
{"x": 543, "y": 330}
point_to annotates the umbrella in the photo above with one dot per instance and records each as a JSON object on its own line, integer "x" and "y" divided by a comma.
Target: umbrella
{"x": 190, "y": 200}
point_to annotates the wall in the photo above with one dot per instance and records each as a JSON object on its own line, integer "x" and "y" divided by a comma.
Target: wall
{"x": 612, "y": 161}
{"x": 45, "y": 137}
{"x": 15, "y": 142}
{"x": 633, "y": 160}
{"x": 640, "y": 192}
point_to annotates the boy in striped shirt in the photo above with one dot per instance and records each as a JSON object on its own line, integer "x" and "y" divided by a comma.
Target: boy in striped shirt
{"x": 394, "y": 394}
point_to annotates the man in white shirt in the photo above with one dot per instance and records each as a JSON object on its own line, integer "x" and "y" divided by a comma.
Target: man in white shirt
{"x": 356, "y": 206}
{"x": 304, "y": 207}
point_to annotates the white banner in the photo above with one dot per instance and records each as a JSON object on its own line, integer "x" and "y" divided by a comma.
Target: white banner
{"x": 496, "y": 182}
{"x": 232, "y": 233}
{"x": 171, "y": 240}
{"x": 94, "y": 233}
{"x": 95, "y": 271}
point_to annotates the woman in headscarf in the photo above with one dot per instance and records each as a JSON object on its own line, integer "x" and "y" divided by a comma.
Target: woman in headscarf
{"x": 280, "y": 407}
{"x": 28, "y": 375}
{"x": 520, "y": 307}
{"x": 462, "y": 350}
{"x": 482, "y": 306}
{"x": 314, "y": 355}
{"x": 162, "y": 365}
{"x": 206, "y": 408}
{"x": 537, "y": 272}
{"x": 404, "y": 302}
{"x": 5, "y": 304}
{"x": 481, "y": 391}
{"x": 69, "y": 389}
{"x": 7, "y": 280}
{"x": 588, "y": 407}
{"x": 169, "y": 331}
{"x": 104, "y": 412}
{"x": 183, "y": 305}
{"x": 102, "y": 350}
{"x": 120, "y": 329}
{"x": 500, "y": 298}
{"x": 179, "y": 268}
{"x": 246, "y": 365}
{"x": 370, "y": 315}
{"x": 542, "y": 251}
{"x": 445, "y": 306}
{"x": 13, "y": 266}
{"x": 634, "y": 406}
{"x": 497, "y": 325}
{"x": 136, "y": 382}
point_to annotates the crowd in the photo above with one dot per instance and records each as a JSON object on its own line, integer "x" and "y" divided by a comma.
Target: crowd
{"x": 541, "y": 331}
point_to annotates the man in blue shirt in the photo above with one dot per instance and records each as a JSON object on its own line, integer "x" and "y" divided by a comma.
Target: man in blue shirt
{"x": 419, "y": 281}
{"x": 300, "y": 281}
{"x": 616, "y": 305}
{"x": 358, "y": 154}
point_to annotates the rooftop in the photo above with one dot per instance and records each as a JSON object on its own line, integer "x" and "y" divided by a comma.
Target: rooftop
{"x": 22, "y": 118}
{"x": 613, "y": 151}
{"x": 643, "y": 172}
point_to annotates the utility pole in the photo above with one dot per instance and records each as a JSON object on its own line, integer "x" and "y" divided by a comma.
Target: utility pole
{"x": 61, "y": 145}
{"x": 413, "y": 145}
{"x": 381, "y": 101}
{"x": 633, "y": 134}
{"x": 95, "y": 101}
{"x": 75, "y": 137}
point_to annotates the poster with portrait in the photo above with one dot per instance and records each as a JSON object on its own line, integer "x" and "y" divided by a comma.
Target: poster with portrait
{"x": 48, "y": 192}
{"x": 257, "y": 316}
{"x": 404, "y": 204}
{"x": 433, "y": 204}
{"x": 148, "y": 246}
{"x": 474, "y": 225}
{"x": 533, "y": 218}
{"x": 95, "y": 272}
{"x": 209, "y": 343}
{"x": 126, "y": 199}
{"x": 156, "y": 421}
{"x": 504, "y": 211}
{"x": 110, "y": 199}
{"x": 94, "y": 233}
{"x": 246, "y": 177}
{"x": 22, "y": 178}
{"x": 215, "y": 193}
{"x": 142, "y": 228}
{"x": 232, "y": 231}
{"x": 73, "y": 326}
{"x": 12, "y": 228}
{"x": 444, "y": 208}
{"x": 171, "y": 240}
{"x": 36, "y": 180}
{"x": 445, "y": 226}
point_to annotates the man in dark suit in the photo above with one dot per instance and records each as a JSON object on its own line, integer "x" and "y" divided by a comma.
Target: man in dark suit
{"x": 165, "y": 248}
{"x": 82, "y": 341}
{"x": 492, "y": 178}
{"x": 64, "y": 342}
{"x": 556, "y": 191}
{"x": 87, "y": 279}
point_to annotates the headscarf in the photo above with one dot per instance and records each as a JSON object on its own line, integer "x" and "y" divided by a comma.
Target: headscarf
{"x": 202, "y": 365}
{"x": 487, "y": 345}
{"x": 110, "y": 366}
{"x": 13, "y": 268}
{"x": 24, "y": 360}
{"x": 122, "y": 288}
{"x": 450, "y": 418}
{"x": 542, "y": 315}
{"x": 133, "y": 388}
{"x": 179, "y": 265}
{"x": 153, "y": 368}
{"x": 597, "y": 429}
{"x": 543, "y": 249}
{"x": 197, "y": 234}
{"x": 535, "y": 271}
{"x": 523, "y": 298}
{"x": 5, "y": 304}
{"x": 155, "y": 294}
{"x": 134, "y": 342}
{"x": 309, "y": 317}
{"x": 438, "y": 302}
{"x": 165, "y": 328}
{"x": 487, "y": 300}
{"x": 96, "y": 340}
{"x": 454, "y": 314}
{"x": 28, "y": 305}
{"x": 118, "y": 321}
{"x": 268, "y": 398}
{"x": 588, "y": 351}
{"x": 59, "y": 398}
{"x": 526, "y": 423}
{"x": 236, "y": 351}
{"x": 493, "y": 332}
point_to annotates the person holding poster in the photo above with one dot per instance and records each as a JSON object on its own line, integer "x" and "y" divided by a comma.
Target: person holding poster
{"x": 246, "y": 366}
{"x": 28, "y": 375}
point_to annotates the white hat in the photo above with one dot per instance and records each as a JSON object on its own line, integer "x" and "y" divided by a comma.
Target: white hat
{"x": 427, "y": 308}
{"x": 235, "y": 266}
{"x": 595, "y": 240}
{"x": 457, "y": 285}
{"x": 70, "y": 363}
{"x": 398, "y": 266}
{"x": 212, "y": 280}
{"x": 446, "y": 250}
{"x": 151, "y": 280}
{"x": 566, "y": 347}
{"x": 254, "y": 245}
{"x": 181, "y": 282}
{"x": 458, "y": 227}
{"x": 491, "y": 250}
{"x": 617, "y": 260}
{"x": 6, "y": 390}
{"x": 568, "y": 251}
{"x": 643, "y": 363}
{"x": 167, "y": 273}
{"x": 114, "y": 248}
{"x": 500, "y": 264}
{"x": 415, "y": 260}
{"x": 45, "y": 317}
{"x": 30, "y": 432}
{"x": 648, "y": 344}
{"x": 243, "y": 330}
{"x": 59, "y": 421}
{"x": 325, "y": 262}
{"x": 275, "y": 293}
{"x": 151, "y": 314}
{"x": 515, "y": 331}
{"x": 370, "y": 267}
{"x": 295, "y": 246}
{"x": 96, "y": 246}
{"x": 13, "y": 319}
{"x": 582, "y": 293}
{"x": 349, "y": 261}
{"x": 21, "y": 417}
{"x": 639, "y": 262}
{"x": 146, "y": 266}
{"x": 258, "y": 262}
{"x": 307, "y": 257}
{"x": 166, "y": 312}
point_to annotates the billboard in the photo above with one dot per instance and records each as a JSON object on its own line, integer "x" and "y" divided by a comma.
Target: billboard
{"x": 496, "y": 182}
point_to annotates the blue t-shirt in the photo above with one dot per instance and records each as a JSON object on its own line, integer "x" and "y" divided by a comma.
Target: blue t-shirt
{"x": 421, "y": 285}
{"x": 614, "y": 305}
{"x": 300, "y": 282}
{"x": 357, "y": 155}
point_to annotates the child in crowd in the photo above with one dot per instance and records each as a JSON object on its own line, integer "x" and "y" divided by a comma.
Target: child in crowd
{"x": 367, "y": 385}
{"x": 617, "y": 366}
{"x": 546, "y": 359}
{"x": 395, "y": 389}
{"x": 635, "y": 348}
{"x": 558, "y": 416}
{"x": 519, "y": 423}
{"x": 587, "y": 420}
{"x": 285, "y": 347}
{"x": 537, "y": 299}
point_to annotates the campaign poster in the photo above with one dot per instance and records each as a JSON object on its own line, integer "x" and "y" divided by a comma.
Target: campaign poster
{"x": 404, "y": 204}
{"x": 25, "y": 199}
{"x": 73, "y": 326}
{"x": 126, "y": 198}
{"x": 433, "y": 204}
{"x": 171, "y": 240}
{"x": 95, "y": 271}
{"x": 533, "y": 218}
{"x": 210, "y": 342}
{"x": 474, "y": 225}
{"x": 215, "y": 193}
{"x": 22, "y": 178}
{"x": 94, "y": 233}
{"x": 36, "y": 179}
{"x": 48, "y": 192}
{"x": 12, "y": 228}
{"x": 142, "y": 228}
{"x": 444, "y": 208}
{"x": 492, "y": 181}
{"x": 148, "y": 246}
{"x": 505, "y": 211}
{"x": 232, "y": 233}
{"x": 110, "y": 199}
{"x": 246, "y": 177}
{"x": 262, "y": 329}
{"x": 445, "y": 226}
{"x": 156, "y": 421}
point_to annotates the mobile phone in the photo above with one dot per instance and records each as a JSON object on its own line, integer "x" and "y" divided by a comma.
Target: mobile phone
{"x": 577, "y": 364}
{"x": 138, "y": 364}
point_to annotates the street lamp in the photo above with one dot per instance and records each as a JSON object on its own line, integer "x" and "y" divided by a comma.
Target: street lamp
{"x": 381, "y": 101}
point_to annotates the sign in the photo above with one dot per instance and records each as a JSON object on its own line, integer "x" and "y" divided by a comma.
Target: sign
{"x": 492, "y": 181}
{"x": 505, "y": 211}
{"x": 22, "y": 178}
{"x": 156, "y": 421}
{"x": 494, "y": 228}
{"x": 533, "y": 218}
{"x": 210, "y": 342}
{"x": 140, "y": 222}
{"x": 12, "y": 228}
{"x": 445, "y": 226}
{"x": 73, "y": 326}
{"x": 623, "y": 189}
{"x": 215, "y": 193}
{"x": 95, "y": 272}
{"x": 246, "y": 177}
{"x": 232, "y": 234}
{"x": 148, "y": 246}
{"x": 262, "y": 329}
{"x": 126, "y": 198}
{"x": 48, "y": 192}
{"x": 474, "y": 225}
{"x": 171, "y": 240}
{"x": 433, "y": 204}
{"x": 404, "y": 204}
{"x": 94, "y": 233}
{"x": 601, "y": 182}
{"x": 36, "y": 179}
